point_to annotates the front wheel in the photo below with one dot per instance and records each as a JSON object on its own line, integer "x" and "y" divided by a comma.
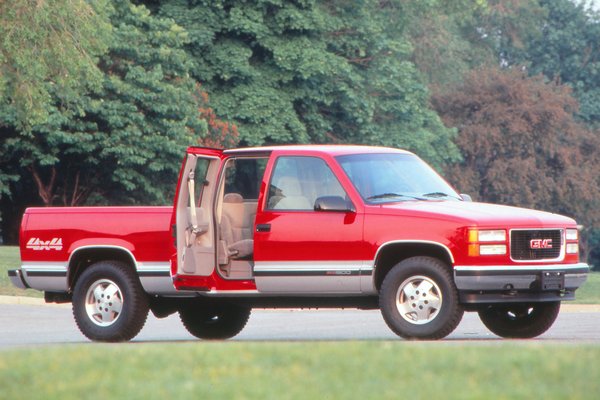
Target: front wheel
{"x": 109, "y": 303}
{"x": 214, "y": 320}
{"x": 521, "y": 321}
{"x": 419, "y": 300}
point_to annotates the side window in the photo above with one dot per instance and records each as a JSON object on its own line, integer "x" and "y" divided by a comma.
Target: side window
{"x": 298, "y": 181}
{"x": 244, "y": 176}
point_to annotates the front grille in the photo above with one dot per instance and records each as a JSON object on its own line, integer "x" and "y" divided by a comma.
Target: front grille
{"x": 523, "y": 243}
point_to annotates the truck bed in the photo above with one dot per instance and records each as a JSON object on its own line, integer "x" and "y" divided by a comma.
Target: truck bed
{"x": 51, "y": 238}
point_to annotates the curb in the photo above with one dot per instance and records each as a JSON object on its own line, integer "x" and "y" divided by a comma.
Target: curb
{"x": 29, "y": 301}
{"x": 34, "y": 301}
{"x": 575, "y": 308}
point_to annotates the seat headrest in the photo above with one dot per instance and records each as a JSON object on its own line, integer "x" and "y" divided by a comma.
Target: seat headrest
{"x": 233, "y": 198}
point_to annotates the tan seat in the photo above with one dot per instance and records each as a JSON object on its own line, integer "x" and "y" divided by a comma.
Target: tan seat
{"x": 291, "y": 197}
{"x": 236, "y": 227}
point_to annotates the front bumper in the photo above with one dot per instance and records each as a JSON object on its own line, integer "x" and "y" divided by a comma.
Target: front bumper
{"x": 509, "y": 283}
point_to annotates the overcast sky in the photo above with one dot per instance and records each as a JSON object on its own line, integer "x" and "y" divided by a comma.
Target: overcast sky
{"x": 595, "y": 3}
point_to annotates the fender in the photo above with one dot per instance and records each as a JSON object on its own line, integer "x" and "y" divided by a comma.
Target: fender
{"x": 155, "y": 275}
{"x": 108, "y": 243}
{"x": 443, "y": 248}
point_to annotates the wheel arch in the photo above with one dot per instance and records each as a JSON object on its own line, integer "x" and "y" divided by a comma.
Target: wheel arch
{"x": 82, "y": 257}
{"x": 391, "y": 253}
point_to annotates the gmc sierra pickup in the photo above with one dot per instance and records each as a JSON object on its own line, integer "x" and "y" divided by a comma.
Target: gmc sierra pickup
{"x": 304, "y": 226}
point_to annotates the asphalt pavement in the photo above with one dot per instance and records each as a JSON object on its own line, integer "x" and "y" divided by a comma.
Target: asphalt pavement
{"x": 28, "y": 322}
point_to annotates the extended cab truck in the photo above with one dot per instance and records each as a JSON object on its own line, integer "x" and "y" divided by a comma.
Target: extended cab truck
{"x": 304, "y": 226}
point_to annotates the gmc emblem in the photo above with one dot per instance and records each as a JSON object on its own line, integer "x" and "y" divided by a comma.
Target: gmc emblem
{"x": 540, "y": 243}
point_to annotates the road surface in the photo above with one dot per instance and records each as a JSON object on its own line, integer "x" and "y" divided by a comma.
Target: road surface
{"x": 23, "y": 325}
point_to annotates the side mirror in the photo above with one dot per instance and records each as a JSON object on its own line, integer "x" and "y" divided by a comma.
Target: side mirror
{"x": 333, "y": 203}
{"x": 465, "y": 197}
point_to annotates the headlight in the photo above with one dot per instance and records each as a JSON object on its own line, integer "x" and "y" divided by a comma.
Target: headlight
{"x": 491, "y": 236}
{"x": 478, "y": 237}
{"x": 492, "y": 249}
{"x": 572, "y": 248}
{"x": 572, "y": 234}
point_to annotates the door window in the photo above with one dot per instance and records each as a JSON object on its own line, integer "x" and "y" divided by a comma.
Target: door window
{"x": 298, "y": 181}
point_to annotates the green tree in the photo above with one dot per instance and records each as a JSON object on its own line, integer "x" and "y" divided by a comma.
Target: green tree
{"x": 558, "y": 38}
{"x": 48, "y": 49}
{"x": 563, "y": 43}
{"x": 123, "y": 142}
{"x": 448, "y": 39}
{"x": 568, "y": 51}
{"x": 313, "y": 72}
{"x": 522, "y": 145}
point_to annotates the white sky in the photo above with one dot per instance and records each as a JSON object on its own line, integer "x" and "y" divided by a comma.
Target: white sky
{"x": 595, "y": 3}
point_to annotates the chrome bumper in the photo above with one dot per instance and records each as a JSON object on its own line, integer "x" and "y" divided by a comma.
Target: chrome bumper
{"x": 480, "y": 284}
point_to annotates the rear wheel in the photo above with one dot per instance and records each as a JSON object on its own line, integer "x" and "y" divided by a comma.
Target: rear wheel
{"x": 520, "y": 320}
{"x": 419, "y": 300}
{"x": 109, "y": 303}
{"x": 214, "y": 320}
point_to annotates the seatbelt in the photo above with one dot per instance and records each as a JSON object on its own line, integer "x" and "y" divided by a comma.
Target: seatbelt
{"x": 195, "y": 231}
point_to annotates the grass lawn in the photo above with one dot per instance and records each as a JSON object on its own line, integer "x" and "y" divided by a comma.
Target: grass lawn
{"x": 322, "y": 370}
{"x": 10, "y": 259}
{"x": 589, "y": 293}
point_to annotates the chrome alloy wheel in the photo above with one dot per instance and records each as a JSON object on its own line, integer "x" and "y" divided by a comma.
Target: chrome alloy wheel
{"x": 419, "y": 300}
{"x": 103, "y": 302}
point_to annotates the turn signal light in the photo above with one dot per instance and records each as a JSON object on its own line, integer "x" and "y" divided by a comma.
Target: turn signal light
{"x": 476, "y": 236}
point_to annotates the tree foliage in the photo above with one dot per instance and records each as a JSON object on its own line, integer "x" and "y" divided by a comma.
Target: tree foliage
{"x": 120, "y": 143}
{"x": 48, "y": 49}
{"x": 135, "y": 125}
{"x": 521, "y": 144}
{"x": 313, "y": 71}
{"x": 447, "y": 39}
{"x": 568, "y": 51}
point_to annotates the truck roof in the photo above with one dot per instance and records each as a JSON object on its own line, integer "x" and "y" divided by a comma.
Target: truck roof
{"x": 330, "y": 149}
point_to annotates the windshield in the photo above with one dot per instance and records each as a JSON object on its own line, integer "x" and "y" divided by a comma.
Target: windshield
{"x": 381, "y": 178}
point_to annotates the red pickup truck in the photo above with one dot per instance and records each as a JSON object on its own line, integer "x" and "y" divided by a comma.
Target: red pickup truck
{"x": 304, "y": 226}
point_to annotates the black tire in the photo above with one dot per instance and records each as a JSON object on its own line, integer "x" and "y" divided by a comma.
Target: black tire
{"x": 521, "y": 321}
{"x": 214, "y": 320}
{"x": 419, "y": 300}
{"x": 109, "y": 303}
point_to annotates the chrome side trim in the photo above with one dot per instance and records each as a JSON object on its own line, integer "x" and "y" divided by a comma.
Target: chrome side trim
{"x": 233, "y": 293}
{"x": 149, "y": 267}
{"x": 316, "y": 267}
{"x": 46, "y": 276}
{"x": 16, "y": 278}
{"x": 156, "y": 278}
{"x": 302, "y": 277}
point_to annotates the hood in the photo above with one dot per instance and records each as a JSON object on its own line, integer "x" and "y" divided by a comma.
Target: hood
{"x": 475, "y": 214}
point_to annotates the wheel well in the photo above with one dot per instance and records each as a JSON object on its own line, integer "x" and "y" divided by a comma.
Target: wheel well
{"x": 394, "y": 253}
{"x": 84, "y": 258}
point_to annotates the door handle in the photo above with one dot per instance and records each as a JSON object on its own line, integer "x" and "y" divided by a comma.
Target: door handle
{"x": 263, "y": 227}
